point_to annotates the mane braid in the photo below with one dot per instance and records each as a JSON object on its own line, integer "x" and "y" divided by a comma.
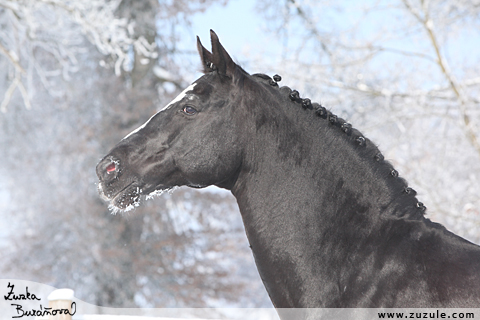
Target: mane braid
{"x": 365, "y": 146}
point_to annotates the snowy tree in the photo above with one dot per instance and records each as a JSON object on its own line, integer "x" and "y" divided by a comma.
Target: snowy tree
{"x": 43, "y": 37}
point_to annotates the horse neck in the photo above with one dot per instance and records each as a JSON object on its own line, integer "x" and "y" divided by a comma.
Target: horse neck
{"x": 297, "y": 161}
{"x": 302, "y": 183}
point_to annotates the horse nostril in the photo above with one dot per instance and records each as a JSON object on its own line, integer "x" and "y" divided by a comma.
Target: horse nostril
{"x": 111, "y": 168}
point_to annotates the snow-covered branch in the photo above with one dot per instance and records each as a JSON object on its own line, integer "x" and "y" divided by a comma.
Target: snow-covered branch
{"x": 37, "y": 29}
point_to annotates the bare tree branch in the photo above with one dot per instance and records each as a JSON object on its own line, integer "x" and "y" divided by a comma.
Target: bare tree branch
{"x": 311, "y": 27}
{"x": 428, "y": 25}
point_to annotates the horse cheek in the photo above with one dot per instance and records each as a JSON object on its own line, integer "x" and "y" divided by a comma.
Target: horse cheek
{"x": 200, "y": 163}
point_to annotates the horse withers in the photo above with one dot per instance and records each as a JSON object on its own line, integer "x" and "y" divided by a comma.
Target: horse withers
{"x": 329, "y": 221}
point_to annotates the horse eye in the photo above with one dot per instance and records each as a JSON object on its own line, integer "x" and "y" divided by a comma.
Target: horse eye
{"x": 189, "y": 110}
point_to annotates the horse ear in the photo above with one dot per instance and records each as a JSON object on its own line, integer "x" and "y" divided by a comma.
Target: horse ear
{"x": 206, "y": 56}
{"x": 221, "y": 59}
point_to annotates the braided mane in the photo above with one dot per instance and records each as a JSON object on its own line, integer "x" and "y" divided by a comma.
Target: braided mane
{"x": 354, "y": 136}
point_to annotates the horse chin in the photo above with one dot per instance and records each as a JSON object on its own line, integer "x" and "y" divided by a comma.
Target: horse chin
{"x": 129, "y": 198}
{"x": 124, "y": 201}
{"x": 159, "y": 192}
{"x": 197, "y": 186}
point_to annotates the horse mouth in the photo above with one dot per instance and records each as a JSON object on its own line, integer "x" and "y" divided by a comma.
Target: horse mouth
{"x": 124, "y": 200}
{"x": 129, "y": 197}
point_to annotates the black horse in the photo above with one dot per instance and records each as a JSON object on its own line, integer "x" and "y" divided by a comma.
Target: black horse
{"x": 329, "y": 221}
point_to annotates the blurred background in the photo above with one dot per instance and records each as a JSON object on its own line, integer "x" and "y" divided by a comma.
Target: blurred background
{"x": 76, "y": 76}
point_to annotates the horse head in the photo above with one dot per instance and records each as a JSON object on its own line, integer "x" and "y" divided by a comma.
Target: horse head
{"x": 193, "y": 140}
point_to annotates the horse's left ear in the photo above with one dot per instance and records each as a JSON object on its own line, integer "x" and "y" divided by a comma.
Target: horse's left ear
{"x": 221, "y": 59}
{"x": 206, "y": 56}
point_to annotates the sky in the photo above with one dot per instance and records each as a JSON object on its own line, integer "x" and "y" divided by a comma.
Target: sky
{"x": 240, "y": 28}
{"x": 236, "y": 24}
